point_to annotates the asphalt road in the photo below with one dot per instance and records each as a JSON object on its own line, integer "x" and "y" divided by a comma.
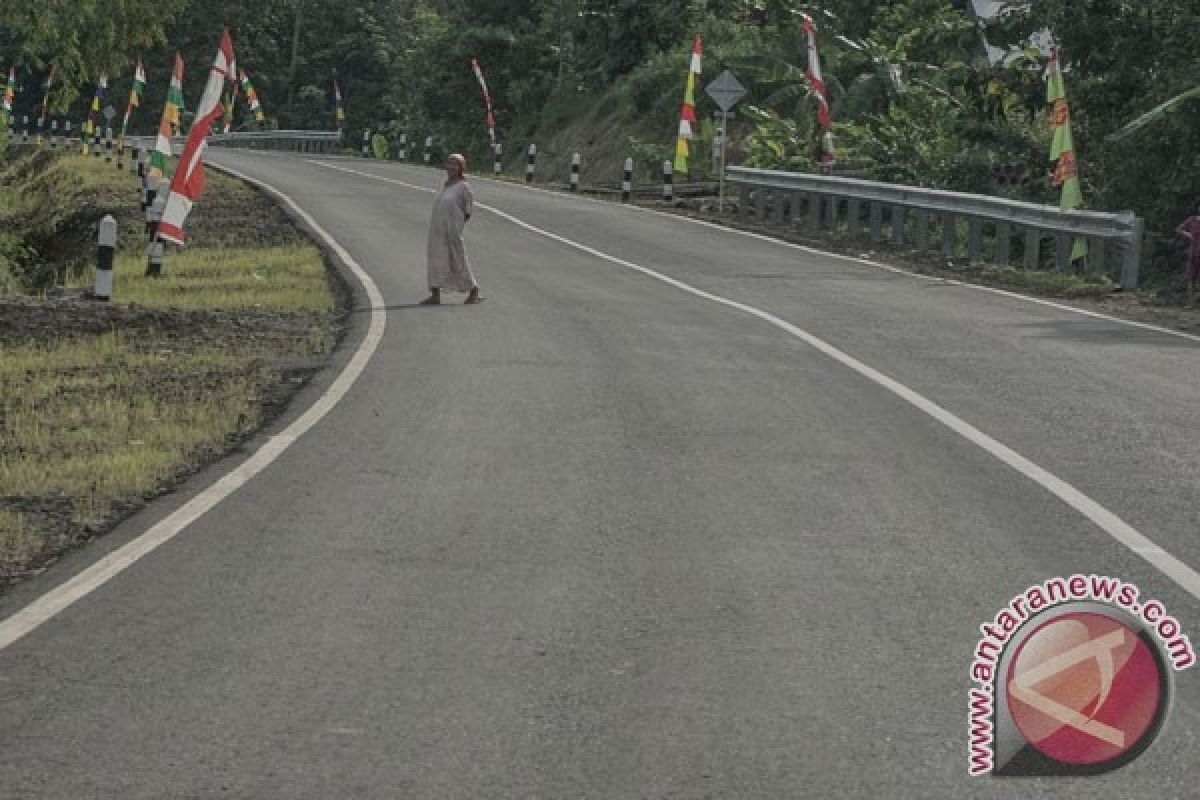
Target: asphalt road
{"x": 603, "y": 538}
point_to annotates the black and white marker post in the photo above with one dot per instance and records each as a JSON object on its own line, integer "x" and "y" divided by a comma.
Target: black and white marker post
{"x": 53, "y": 134}
{"x": 139, "y": 154}
{"x": 66, "y": 133}
{"x": 575, "y": 172}
{"x": 428, "y": 148}
{"x": 106, "y": 246}
{"x": 108, "y": 145}
{"x": 154, "y": 259}
{"x": 366, "y": 145}
{"x": 403, "y": 148}
{"x": 25, "y": 128}
{"x": 154, "y": 212}
{"x": 627, "y": 181}
{"x": 530, "y": 163}
{"x": 497, "y": 159}
{"x": 668, "y": 180}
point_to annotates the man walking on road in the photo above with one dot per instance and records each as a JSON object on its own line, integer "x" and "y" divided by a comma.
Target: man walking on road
{"x": 449, "y": 268}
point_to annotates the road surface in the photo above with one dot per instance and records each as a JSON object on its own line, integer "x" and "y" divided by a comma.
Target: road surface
{"x": 604, "y": 537}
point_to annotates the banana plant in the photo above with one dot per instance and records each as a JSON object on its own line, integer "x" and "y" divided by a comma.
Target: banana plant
{"x": 1156, "y": 114}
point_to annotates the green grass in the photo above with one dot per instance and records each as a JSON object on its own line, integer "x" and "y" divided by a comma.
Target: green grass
{"x": 1065, "y": 284}
{"x": 283, "y": 277}
{"x": 101, "y": 419}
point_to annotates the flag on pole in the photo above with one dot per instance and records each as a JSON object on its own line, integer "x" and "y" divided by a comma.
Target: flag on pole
{"x": 487, "y": 100}
{"x": 135, "y": 96}
{"x": 91, "y": 129}
{"x": 687, "y": 116}
{"x": 170, "y": 118}
{"x": 1062, "y": 149}
{"x": 175, "y": 96}
{"x": 252, "y": 98}
{"x": 340, "y": 111}
{"x": 188, "y": 182}
{"x": 10, "y": 92}
{"x": 46, "y": 98}
{"x": 817, "y": 82}
{"x": 230, "y": 99}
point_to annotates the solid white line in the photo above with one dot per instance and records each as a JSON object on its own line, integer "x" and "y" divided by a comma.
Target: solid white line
{"x": 1104, "y": 519}
{"x": 840, "y": 256}
{"x": 87, "y": 581}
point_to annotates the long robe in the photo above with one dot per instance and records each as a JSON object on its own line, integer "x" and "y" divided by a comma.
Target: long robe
{"x": 449, "y": 268}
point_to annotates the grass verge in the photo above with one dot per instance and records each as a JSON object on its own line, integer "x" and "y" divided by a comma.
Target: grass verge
{"x": 105, "y": 405}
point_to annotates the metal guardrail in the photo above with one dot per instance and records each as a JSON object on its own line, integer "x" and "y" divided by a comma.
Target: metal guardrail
{"x": 287, "y": 141}
{"x": 817, "y": 201}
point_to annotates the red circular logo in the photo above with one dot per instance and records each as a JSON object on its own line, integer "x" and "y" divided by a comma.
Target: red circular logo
{"x": 1084, "y": 688}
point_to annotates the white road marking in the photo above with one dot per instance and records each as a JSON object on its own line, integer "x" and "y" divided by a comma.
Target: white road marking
{"x": 96, "y": 575}
{"x": 826, "y": 254}
{"x": 1106, "y": 520}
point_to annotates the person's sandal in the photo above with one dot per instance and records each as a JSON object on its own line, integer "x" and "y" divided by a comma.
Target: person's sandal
{"x": 431, "y": 301}
{"x": 473, "y": 299}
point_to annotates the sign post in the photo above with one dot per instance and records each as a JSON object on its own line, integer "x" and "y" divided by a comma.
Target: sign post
{"x": 725, "y": 91}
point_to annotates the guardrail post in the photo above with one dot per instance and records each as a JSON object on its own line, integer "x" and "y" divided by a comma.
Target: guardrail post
{"x": 922, "y": 230}
{"x": 876, "y": 213}
{"x": 761, "y": 196}
{"x": 627, "y": 180}
{"x": 1063, "y": 244}
{"x": 853, "y": 219}
{"x": 1097, "y": 260}
{"x": 498, "y": 159}
{"x": 1131, "y": 256}
{"x": 814, "y": 210}
{"x": 531, "y": 158}
{"x": 106, "y": 245}
{"x": 831, "y": 209}
{"x": 1033, "y": 247}
{"x": 898, "y": 215}
{"x": 1003, "y": 243}
{"x": 574, "y": 178}
{"x": 974, "y": 240}
{"x": 949, "y": 235}
{"x": 743, "y": 209}
{"x": 794, "y": 201}
{"x": 668, "y": 173}
{"x": 779, "y": 200}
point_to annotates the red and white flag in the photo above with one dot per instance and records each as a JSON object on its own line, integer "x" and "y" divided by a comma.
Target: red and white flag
{"x": 188, "y": 182}
{"x": 487, "y": 100}
{"x": 813, "y": 73}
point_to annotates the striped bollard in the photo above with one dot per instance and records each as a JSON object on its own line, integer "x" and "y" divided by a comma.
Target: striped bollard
{"x": 54, "y": 134}
{"x": 668, "y": 180}
{"x": 108, "y": 145}
{"x": 25, "y": 129}
{"x": 497, "y": 159}
{"x": 66, "y": 133}
{"x": 97, "y": 140}
{"x": 575, "y": 172}
{"x": 428, "y": 148}
{"x": 106, "y": 245}
{"x": 366, "y": 145}
{"x": 403, "y": 150}
{"x": 154, "y": 212}
{"x": 154, "y": 259}
{"x": 139, "y": 154}
{"x": 627, "y": 181}
{"x": 530, "y": 162}
{"x": 41, "y": 126}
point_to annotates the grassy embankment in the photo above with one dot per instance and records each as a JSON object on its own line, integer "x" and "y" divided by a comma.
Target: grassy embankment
{"x": 106, "y": 405}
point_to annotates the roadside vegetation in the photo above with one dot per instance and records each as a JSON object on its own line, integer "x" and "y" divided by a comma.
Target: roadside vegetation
{"x": 105, "y": 405}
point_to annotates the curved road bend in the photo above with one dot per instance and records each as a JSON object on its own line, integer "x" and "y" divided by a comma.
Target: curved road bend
{"x": 600, "y": 537}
